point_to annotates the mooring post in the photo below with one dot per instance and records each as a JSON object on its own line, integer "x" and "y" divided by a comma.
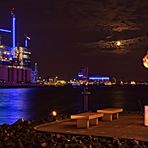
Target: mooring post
{"x": 85, "y": 93}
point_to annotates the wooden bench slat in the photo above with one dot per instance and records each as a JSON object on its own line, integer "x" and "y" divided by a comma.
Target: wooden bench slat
{"x": 87, "y": 115}
{"x": 110, "y": 112}
{"x": 86, "y": 119}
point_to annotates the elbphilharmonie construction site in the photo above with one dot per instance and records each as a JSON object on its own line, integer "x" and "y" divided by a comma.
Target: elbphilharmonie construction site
{"x": 14, "y": 60}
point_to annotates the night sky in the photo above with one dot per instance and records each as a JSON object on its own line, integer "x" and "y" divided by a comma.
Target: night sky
{"x": 68, "y": 34}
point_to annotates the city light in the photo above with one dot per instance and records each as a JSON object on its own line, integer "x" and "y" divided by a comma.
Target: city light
{"x": 98, "y": 78}
{"x": 13, "y": 34}
{"x": 4, "y": 30}
{"x": 80, "y": 75}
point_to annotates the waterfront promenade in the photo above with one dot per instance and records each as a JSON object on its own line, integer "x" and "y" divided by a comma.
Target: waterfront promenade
{"x": 129, "y": 126}
{"x": 126, "y": 132}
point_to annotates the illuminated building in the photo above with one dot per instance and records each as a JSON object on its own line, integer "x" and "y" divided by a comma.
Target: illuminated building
{"x": 14, "y": 60}
{"x": 98, "y": 78}
{"x": 35, "y": 74}
{"x": 83, "y": 73}
{"x": 84, "y": 78}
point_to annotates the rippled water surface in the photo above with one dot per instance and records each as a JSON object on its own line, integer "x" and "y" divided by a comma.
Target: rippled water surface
{"x": 37, "y": 103}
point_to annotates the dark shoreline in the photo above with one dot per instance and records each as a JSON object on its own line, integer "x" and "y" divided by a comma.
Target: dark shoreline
{"x": 23, "y": 134}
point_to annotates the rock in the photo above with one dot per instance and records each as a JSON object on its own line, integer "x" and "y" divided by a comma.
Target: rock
{"x": 21, "y": 134}
{"x": 20, "y": 144}
{"x": 44, "y": 144}
{"x": 29, "y": 122}
{"x": 19, "y": 121}
{"x": 136, "y": 142}
{"x": 1, "y": 144}
{"x": 97, "y": 145}
{"x": 117, "y": 142}
{"x": 58, "y": 136}
{"x": 10, "y": 144}
{"x": 102, "y": 140}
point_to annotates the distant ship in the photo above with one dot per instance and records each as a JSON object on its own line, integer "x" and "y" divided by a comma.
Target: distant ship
{"x": 14, "y": 61}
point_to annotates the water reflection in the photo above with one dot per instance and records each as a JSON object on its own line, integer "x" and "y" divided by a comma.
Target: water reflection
{"x": 13, "y": 105}
{"x": 36, "y": 103}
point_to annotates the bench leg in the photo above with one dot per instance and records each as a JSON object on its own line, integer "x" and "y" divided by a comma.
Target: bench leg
{"x": 94, "y": 121}
{"x": 82, "y": 123}
{"x": 116, "y": 116}
{"x": 107, "y": 117}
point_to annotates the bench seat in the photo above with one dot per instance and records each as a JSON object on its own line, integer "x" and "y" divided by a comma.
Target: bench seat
{"x": 84, "y": 120}
{"x": 110, "y": 113}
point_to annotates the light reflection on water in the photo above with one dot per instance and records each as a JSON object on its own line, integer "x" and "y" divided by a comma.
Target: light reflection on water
{"x": 37, "y": 103}
{"x": 13, "y": 105}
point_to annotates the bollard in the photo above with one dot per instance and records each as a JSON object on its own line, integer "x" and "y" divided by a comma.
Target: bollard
{"x": 85, "y": 99}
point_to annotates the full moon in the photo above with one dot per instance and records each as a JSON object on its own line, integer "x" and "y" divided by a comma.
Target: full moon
{"x": 145, "y": 61}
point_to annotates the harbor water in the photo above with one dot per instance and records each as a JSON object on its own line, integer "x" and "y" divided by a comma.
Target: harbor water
{"x": 37, "y": 103}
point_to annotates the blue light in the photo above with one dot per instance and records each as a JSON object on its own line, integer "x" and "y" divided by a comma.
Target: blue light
{"x": 13, "y": 34}
{"x": 98, "y": 78}
{"x": 4, "y": 30}
{"x": 26, "y": 43}
{"x": 80, "y": 75}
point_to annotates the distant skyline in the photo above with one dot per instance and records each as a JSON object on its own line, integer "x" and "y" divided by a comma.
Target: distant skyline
{"x": 68, "y": 34}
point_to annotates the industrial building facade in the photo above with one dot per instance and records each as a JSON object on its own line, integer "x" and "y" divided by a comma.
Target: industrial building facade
{"x": 15, "y": 69}
{"x": 11, "y": 74}
{"x": 14, "y": 60}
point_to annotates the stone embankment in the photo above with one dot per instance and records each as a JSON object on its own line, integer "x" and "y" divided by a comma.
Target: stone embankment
{"x": 22, "y": 134}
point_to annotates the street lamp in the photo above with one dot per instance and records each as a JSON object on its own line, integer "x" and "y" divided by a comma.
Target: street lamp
{"x": 118, "y": 43}
{"x": 54, "y": 113}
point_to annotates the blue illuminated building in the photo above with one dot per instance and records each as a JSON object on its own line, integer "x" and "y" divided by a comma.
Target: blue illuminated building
{"x": 98, "y": 78}
{"x": 14, "y": 55}
{"x": 83, "y": 73}
{"x": 83, "y": 77}
{"x": 14, "y": 60}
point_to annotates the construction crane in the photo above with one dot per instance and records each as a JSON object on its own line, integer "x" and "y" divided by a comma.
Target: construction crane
{"x": 26, "y": 40}
{"x": 12, "y": 31}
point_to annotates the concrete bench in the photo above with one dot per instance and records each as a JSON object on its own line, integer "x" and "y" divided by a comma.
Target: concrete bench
{"x": 110, "y": 113}
{"x": 84, "y": 120}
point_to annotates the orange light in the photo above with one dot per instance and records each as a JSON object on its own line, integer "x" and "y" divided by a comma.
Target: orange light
{"x": 118, "y": 43}
{"x": 54, "y": 113}
{"x": 145, "y": 61}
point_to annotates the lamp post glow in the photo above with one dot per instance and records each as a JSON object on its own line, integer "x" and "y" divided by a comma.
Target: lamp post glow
{"x": 118, "y": 43}
{"x": 54, "y": 113}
